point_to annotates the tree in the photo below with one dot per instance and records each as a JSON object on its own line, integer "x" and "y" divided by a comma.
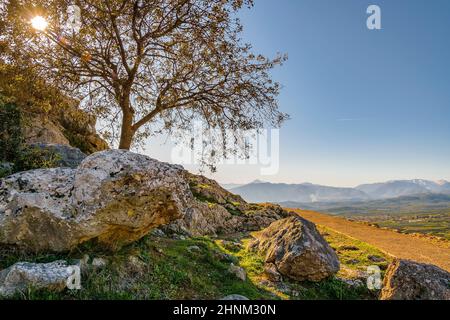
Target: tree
{"x": 150, "y": 65}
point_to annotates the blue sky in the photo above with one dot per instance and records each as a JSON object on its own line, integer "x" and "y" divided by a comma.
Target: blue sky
{"x": 366, "y": 105}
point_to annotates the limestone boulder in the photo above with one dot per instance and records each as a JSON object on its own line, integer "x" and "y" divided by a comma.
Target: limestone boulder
{"x": 297, "y": 250}
{"x": 24, "y": 275}
{"x": 113, "y": 197}
{"x": 409, "y": 280}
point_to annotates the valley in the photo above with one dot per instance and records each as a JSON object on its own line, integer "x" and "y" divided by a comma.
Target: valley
{"x": 404, "y": 246}
{"x": 427, "y": 212}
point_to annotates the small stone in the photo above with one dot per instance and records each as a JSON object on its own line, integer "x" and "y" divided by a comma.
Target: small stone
{"x": 239, "y": 272}
{"x": 136, "y": 265}
{"x": 225, "y": 257}
{"x": 374, "y": 258}
{"x": 348, "y": 248}
{"x": 98, "y": 262}
{"x": 158, "y": 233}
{"x": 272, "y": 273}
{"x": 354, "y": 283}
{"x": 235, "y": 297}
{"x": 194, "y": 249}
{"x": 230, "y": 245}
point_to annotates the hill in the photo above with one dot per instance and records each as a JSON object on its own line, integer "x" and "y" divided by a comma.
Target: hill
{"x": 306, "y": 192}
{"x": 398, "y": 188}
{"x": 259, "y": 191}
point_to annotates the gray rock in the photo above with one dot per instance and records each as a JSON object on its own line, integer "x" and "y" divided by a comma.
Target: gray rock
{"x": 222, "y": 256}
{"x": 224, "y": 213}
{"x": 99, "y": 263}
{"x": 376, "y": 259}
{"x": 272, "y": 273}
{"x": 24, "y": 275}
{"x": 353, "y": 261}
{"x": 136, "y": 265}
{"x": 115, "y": 197}
{"x": 69, "y": 157}
{"x": 40, "y": 129}
{"x": 348, "y": 248}
{"x": 239, "y": 272}
{"x": 158, "y": 233}
{"x": 235, "y": 297}
{"x": 194, "y": 249}
{"x": 297, "y": 249}
{"x": 230, "y": 245}
{"x": 353, "y": 283}
{"x": 409, "y": 280}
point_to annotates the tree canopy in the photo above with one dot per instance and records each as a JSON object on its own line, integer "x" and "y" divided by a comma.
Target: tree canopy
{"x": 148, "y": 66}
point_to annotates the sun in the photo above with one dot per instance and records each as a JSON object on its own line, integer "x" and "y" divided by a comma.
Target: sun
{"x": 39, "y": 23}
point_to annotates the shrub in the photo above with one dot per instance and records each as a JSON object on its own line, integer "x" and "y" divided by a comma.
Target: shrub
{"x": 31, "y": 157}
{"x": 11, "y": 137}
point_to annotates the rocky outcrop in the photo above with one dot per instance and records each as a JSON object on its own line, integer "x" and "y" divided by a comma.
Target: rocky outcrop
{"x": 297, "y": 250}
{"x": 217, "y": 211}
{"x": 40, "y": 129}
{"x": 209, "y": 190}
{"x": 68, "y": 156}
{"x": 114, "y": 197}
{"x": 68, "y": 126}
{"x": 409, "y": 280}
{"x": 212, "y": 219}
{"x": 23, "y": 275}
{"x": 79, "y": 127}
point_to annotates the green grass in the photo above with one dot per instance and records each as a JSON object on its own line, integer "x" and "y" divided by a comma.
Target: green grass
{"x": 169, "y": 271}
{"x": 353, "y": 254}
{"x": 329, "y": 289}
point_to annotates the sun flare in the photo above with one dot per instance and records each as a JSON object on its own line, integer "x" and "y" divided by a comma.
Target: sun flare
{"x": 39, "y": 23}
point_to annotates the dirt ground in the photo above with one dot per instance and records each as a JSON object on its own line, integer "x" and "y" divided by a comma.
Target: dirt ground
{"x": 399, "y": 245}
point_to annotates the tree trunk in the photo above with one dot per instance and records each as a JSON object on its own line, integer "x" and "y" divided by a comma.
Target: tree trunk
{"x": 127, "y": 132}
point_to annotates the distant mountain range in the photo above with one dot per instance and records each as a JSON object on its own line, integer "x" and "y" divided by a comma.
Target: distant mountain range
{"x": 260, "y": 191}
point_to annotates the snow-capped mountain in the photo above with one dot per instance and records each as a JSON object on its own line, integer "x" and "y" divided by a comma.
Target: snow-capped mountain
{"x": 260, "y": 191}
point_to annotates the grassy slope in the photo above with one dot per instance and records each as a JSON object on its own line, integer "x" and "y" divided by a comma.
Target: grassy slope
{"x": 353, "y": 260}
{"x": 166, "y": 269}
